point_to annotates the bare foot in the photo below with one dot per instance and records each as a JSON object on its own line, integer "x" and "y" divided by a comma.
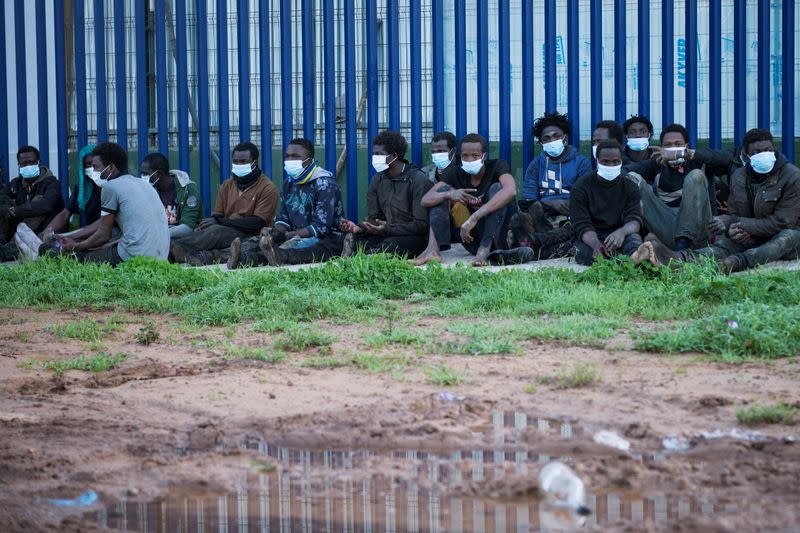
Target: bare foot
{"x": 480, "y": 257}
{"x": 642, "y": 253}
{"x": 348, "y": 245}
{"x": 265, "y": 243}
{"x": 428, "y": 256}
{"x": 235, "y": 254}
{"x": 655, "y": 252}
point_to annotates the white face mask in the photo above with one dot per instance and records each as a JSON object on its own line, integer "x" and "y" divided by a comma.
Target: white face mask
{"x": 146, "y": 178}
{"x": 88, "y": 172}
{"x": 638, "y": 144}
{"x": 241, "y": 170}
{"x": 97, "y": 177}
{"x": 763, "y": 162}
{"x": 554, "y": 148}
{"x": 441, "y": 159}
{"x": 381, "y": 162}
{"x": 679, "y": 152}
{"x": 294, "y": 167}
{"x": 29, "y": 171}
{"x": 594, "y": 151}
{"x": 472, "y": 167}
{"x": 608, "y": 173}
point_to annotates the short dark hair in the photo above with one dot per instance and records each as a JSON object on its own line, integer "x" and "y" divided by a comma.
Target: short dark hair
{"x": 675, "y": 128}
{"x": 637, "y": 118}
{"x": 28, "y": 149}
{"x": 445, "y": 136}
{"x": 157, "y": 161}
{"x": 753, "y": 136}
{"x": 248, "y": 147}
{"x": 552, "y": 119}
{"x": 607, "y": 144}
{"x": 393, "y": 141}
{"x": 474, "y": 138}
{"x": 614, "y": 129}
{"x": 306, "y": 144}
{"x": 112, "y": 154}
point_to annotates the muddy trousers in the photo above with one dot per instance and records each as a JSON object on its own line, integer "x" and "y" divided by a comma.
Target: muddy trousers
{"x": 404, "y": 245}
{"x": 629, "y": 245}
{"x": 326, "y": 248}
{"x": 490, "y": 231}
{"x": 785, "y": 245}
{"x": 106, "y": 254}
{"x": 207, "y": 246}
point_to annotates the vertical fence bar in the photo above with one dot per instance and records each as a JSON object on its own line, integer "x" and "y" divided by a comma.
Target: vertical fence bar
{"x": 550, "y": 83}
{"x": 620, "y": 62}
{"x": 120, "y": 74}
{"x": 372, "y": 80}
{"x": 739, "y": 66}
{"x": 667, "y": 64}
{"x": 243, "y": 53}
{"x": 763, "y": 63}
{"x": 79, "y": 21}
{"x": 41, "y": 67}
{"x": 142, "y": 141}
{"x": 482, "y": 22}
{"x": 309, "y": 81}
{"x": 596, "y": 31}
{"x": 437, "y": 23}
{"x": 350, "y": 110}
{"x": 416, "y": 83}
{"x": 787, "y": 81}
{"x": 61, "y": 100}
{"x": 22, "y": 91}
{"x": 504, "y": 71}
{"x": 393, "y": 51}
{"x": 573, "y": 73}
{"x": 265, "y": 58}
{"x": 182, "y": 73}
{"x": 162, "y": 114}
{"x": 100, "y": 69}
{"x": 715, "y": 74}
{"x": 4, "y": 162}
{"x": 527, "y": 82}
{"x": 223, "y": 110}
{"x": 203, "y": 105}
{"x": 644, "y": 58}
{"x": 461, "y": 69}
{"x": 690, "y": 70}
{"x": 287, "y": 120}
{"x": 330, "y": 85}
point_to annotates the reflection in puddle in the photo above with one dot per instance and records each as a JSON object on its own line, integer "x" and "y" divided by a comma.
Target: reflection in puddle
{"x": 360, "y": 490}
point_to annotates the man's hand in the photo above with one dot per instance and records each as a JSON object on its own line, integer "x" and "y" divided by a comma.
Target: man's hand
{"x": 379, "y": 228}
{"x": 466, "y": 229}
{"x": 738, "y": 235}
{"x": 716, "y": 226}
{"x": 559, "y": 206}
{"x": 462, "y": 195}
{"x": 349, "y": 226}
{"x": 67, "y": 244}
{"x": 206, "y": 222}
{"x": 614, "y": 241}
{"x": 599, "y": 250}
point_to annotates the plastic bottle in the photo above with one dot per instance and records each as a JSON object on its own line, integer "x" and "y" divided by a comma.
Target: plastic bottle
{"x": 562, "y": 487}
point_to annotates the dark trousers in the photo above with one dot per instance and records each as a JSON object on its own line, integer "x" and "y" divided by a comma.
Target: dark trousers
{"x": 215, "y": 240}
{"x": 785, "y": 245}
{"x": 629, "y": 245}
{"x": 327, "y": 248}
{"x": 106, "y": 254}
{"x": 490, "y": 231}
{"x": 407, "y": 245}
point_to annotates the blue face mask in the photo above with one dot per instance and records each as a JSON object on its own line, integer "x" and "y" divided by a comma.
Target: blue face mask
{"x": 638, "y": 144}
{"x": 554, "y": 148}
{"x": 29, "y": 171}
{"x": 763, "y": 162}
{"x": 472, "y": 167}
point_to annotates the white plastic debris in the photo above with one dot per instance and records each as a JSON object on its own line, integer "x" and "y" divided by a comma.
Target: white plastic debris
{"x": 563, "y": 488}
{"x": 612, "y": 439}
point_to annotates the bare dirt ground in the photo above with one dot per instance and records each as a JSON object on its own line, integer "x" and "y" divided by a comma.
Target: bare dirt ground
{"x": 180, "y": 438}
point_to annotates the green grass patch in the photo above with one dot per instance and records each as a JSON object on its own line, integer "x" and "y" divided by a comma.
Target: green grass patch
{"x": 381, "y": 364}
{"x": 247, "y": 351}
{"x": 95, "y": 363}
{"x": 443, "y": 375}
{"x": 303, "y": 337}
{"x": 324, "y": 361}
{"x": 756, "y": 414}
{"x": 478, "y": 347}
{"x": 402, "y": 336}
{"x": 578, "y": 376}
{"x": 87, "y": 329}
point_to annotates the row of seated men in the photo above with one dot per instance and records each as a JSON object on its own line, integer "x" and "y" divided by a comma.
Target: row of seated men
{"x": 654, "y": 203}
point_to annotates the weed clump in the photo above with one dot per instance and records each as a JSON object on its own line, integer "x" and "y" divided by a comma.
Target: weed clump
{"x": 756, "y": 414}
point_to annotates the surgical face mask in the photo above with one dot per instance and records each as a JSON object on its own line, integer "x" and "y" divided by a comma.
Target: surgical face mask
{"x": 608, "y": 173}
{"x": 638, "y": 144}
{"x": 441, "y": 159}
{"x": 678, "y": 151}
{"x": 29, "y": 172}
{"x": 763, "y": 162}
{"x": 242, "y": 170}
{"x": 88, "y": 172}
{"x": 380, "y": 162}
{"x": 294, "y": 167}
{"x": 97, "y": 177}
{"x": 554, "y": 148}
{"x": 594, "y": 151}
{"x": 472, "y": 167}
{"x": 146, "y": 178}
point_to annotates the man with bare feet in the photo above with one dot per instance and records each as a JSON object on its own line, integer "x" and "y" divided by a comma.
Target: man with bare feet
{"x": 761, "y": 223}
{"x": 476, "y": 198}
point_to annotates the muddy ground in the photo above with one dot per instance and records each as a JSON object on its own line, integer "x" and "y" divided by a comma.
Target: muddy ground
{"x": 180, "y": 438}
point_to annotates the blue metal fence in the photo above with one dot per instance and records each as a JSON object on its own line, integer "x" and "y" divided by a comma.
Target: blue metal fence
{"x": 193, "y": 77}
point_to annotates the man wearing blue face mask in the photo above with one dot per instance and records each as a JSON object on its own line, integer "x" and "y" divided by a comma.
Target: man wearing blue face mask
{"x": 443, "y": 156}
{"x": 761, "y": 223}
{"x": 246, "y": 202}
{"x": 307, "y": 226}
{"x": 549, "y": 177}
{"x": 33, "y": 198}
{"x": 638, "y": 131}
{"x": 485, "y": 191}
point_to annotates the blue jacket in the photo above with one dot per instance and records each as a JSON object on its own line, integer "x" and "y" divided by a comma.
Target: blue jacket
{"x": 552, "y": 179}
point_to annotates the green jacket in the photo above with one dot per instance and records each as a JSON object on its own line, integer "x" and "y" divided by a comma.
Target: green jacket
{"x": 188, "y": 208}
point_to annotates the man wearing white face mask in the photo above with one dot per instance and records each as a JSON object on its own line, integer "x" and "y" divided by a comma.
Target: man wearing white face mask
{"x": 764, "y": 206}
{"x": 246, "y": 202}
{"x": 605, "y": 129}
{"x": 33, "y": 198}
{"x": 396, "y": 220}
{"x": 179, "y": 195}
{"x": 307, "y": 226}
{"x": 676, "y": 189}
{"x": 549, "y": 176}
{"x": 638, "y": 131}
{"x": 443, "y": 156}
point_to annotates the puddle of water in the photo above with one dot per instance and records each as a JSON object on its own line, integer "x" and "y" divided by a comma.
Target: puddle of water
{"x": 368, "y": 490}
